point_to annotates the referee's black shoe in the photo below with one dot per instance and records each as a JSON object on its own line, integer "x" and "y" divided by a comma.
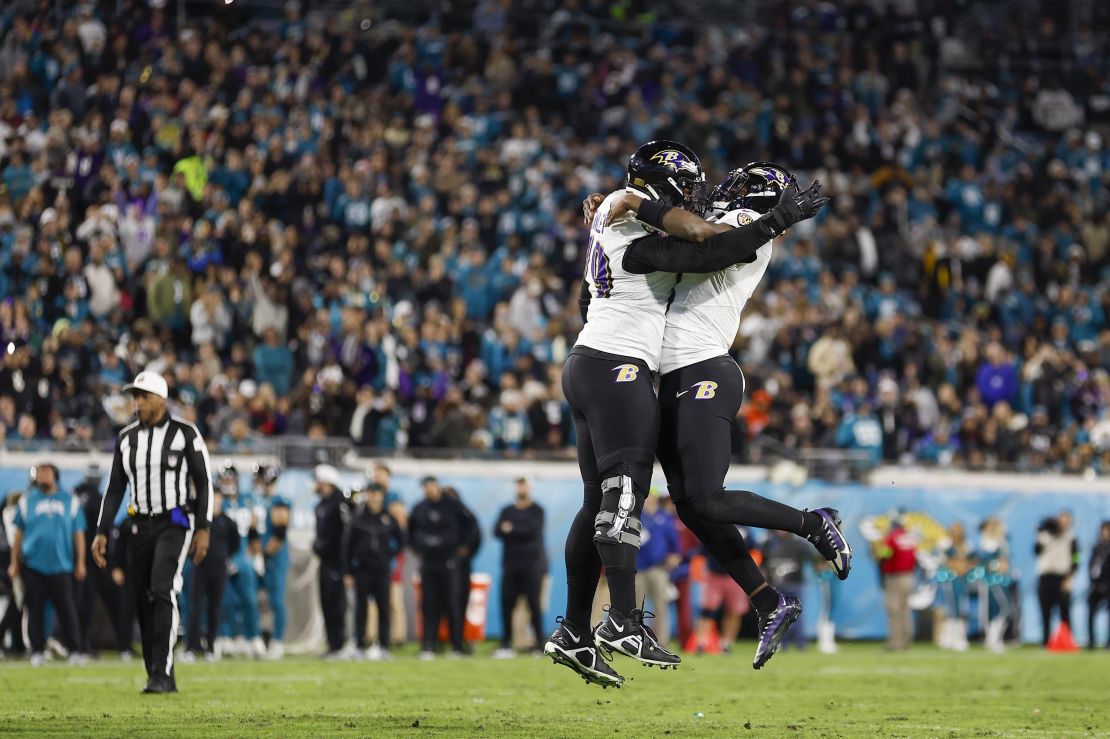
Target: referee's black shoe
{"x": 160, "y": 684}
{"x": 632, "y": 637}
{"x": 575, "y": 648}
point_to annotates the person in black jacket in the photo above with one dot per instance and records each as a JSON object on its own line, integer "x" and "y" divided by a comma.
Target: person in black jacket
{"x": 99, "y": 581}
{"x": 438, "y": 528}
{"x": 331, "y": 518}
{"x": 523, "y": 562}
{"x": 209, "y": 581}
{"x": 1100, "y": 582}
{"x": 471, "y": 542}
{"x": 373, "y": 537}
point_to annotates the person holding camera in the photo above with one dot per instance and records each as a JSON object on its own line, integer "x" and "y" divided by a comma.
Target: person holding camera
{"x": 1057, "y": 560}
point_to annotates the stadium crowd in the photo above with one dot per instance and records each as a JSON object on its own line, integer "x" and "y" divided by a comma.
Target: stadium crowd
{"x": 369, "y": 229}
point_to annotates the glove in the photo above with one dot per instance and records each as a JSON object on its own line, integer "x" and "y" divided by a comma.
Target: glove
{"x": 794, "y": 206}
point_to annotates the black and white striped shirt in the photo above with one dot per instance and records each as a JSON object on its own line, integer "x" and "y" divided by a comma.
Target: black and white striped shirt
{"x": 157, "y": 462}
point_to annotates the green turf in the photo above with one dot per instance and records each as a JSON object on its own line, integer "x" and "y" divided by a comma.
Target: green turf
{"x": 860, "y": 692}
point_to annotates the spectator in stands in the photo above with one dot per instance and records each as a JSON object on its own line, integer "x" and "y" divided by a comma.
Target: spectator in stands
{"x": 897, "y": 556}
{"x": 437, "y": 532}
{"x": 658, "y": 555}
{"x": 520, "y": 528}
{"x": 1057, "y": 562}
{"x": 1099, "y": 571}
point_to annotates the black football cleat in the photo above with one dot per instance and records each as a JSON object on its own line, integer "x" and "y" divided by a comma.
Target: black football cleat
{"x": 575, "y": 648}
{"x": 772, "y": 627}
{"x": 630, "y": 636}
{"x": 160, "y": 685}
{"x": 831, "y": 542}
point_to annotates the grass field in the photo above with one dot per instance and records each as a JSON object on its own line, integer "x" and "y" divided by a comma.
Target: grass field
{"x": 860, "y": 692}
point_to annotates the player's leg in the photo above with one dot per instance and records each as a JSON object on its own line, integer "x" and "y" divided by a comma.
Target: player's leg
{"x": 708, "y": 390}
{"x": 431, "y": 593}
{"x": 216, "y": 584}
{"x": 572, "y": 643}
{"x": 617, "y": 397}
{"x": 699, "y": 404}
{"x": 277, "y": 569}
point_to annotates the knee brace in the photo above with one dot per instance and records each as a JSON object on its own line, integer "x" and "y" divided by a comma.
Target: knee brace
{"x": 618, "y": 522}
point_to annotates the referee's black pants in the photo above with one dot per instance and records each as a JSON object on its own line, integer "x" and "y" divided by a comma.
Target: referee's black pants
{"x": 439, "y": 587}
{"x": 58, "y": 589}
{"x": 156, "y": 553}
{"x": 208, "y": 584}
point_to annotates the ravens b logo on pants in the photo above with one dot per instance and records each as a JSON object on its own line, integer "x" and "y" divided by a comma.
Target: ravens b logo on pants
{"x": 706, "y": 389}
{"x": 626, "y": 372}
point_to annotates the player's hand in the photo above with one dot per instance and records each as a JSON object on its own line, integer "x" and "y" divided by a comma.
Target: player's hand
{"x": 118, "y": 576}
{"x": 79, "y": 572}
{"x": 590, "y": 205}
{"x": 625, "y": 203}
{"x": 795, "y": 205}
{"x": 200, "y": 546}
{"x": 100, "y": 550}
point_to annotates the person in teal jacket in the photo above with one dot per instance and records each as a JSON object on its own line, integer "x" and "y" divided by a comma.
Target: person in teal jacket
{"x": 48, "y": 554}
{"x": 273, "y": 516}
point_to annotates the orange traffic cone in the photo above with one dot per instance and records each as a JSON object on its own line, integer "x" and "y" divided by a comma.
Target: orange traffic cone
{"x": 1062, "y": 640}
{"x": 712, "y": 643}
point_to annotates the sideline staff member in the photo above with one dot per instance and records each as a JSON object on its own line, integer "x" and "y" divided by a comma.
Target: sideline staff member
{"x": 156, "y": 457}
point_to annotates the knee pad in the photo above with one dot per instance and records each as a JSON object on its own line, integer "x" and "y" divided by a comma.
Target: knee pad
{"x": 618, "y": 522}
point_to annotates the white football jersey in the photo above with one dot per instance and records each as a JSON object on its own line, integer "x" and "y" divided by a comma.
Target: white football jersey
{"x": 627, "y": 311}
{"x": 705, "y": 314}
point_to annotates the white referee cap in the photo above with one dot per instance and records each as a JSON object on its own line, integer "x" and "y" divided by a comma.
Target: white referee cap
{"x": 149, "y": 382}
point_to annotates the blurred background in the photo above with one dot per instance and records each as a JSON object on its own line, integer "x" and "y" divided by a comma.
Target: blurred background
{"x": 352, "y": 232}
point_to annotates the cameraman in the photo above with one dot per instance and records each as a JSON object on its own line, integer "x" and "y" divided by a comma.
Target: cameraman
{"x": 1057, "y": 560}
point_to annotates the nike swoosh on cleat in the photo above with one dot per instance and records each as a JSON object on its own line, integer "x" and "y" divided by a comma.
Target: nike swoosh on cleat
{"x": 574, "y": 638}
{"x": 619, "y": 629}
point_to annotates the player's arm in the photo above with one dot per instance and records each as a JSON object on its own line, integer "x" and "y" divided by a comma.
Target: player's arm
{"x": 676, "y": 222}
{"x": 584, "y": 299}
{"x": 733, "y": 246}
{"x": 279, "y": 524}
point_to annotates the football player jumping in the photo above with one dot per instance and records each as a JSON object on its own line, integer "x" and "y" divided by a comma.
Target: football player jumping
{"x": 700, "y": 393}
{"x": 630, "y": 275}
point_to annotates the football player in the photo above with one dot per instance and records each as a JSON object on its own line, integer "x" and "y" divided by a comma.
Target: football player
{"x": 239, "y": 626}
{"x": 700, "y": 392}
{"x": 272, "y": 513}
{"x": 630, "y": 275}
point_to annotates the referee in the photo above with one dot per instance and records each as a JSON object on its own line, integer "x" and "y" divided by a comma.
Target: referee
{"x": 156, "y": 457}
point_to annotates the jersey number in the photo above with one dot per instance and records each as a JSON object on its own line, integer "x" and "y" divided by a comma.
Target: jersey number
{"x": 598, "y": 270}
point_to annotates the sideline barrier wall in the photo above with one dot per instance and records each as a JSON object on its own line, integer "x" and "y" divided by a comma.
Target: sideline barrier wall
{"x": 1021, "y": 501}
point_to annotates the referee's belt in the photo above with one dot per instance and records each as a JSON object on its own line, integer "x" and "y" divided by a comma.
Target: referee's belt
{"x": 134, "y": 513}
